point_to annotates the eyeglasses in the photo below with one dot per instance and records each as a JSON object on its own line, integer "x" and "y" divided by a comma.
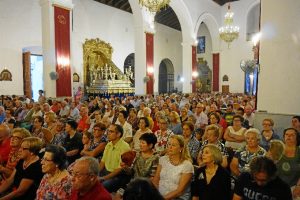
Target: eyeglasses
{"x": 47, "y": 160}
{"x": 24, "y": 148}
{"x": 111, "y": 131}
{"x": 97, "y": 129}
{"x": 16, "y": 137}
{"x": 78, "y": 174}
{"x": 264, "y": 124}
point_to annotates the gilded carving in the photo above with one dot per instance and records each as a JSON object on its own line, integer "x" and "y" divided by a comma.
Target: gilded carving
{"x": 5, "y": 75}
{"x": 101, "y": 75}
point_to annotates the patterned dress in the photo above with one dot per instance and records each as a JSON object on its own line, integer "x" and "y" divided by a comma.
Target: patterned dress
{"x": 94, "y": 144}
{"x": 162, "y": 140}
{"x": 56, "y": 191}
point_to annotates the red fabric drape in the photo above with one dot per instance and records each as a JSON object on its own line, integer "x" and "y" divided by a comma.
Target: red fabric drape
{"x": 62, "y": 51}
{"x": 149, "y": 61}
{"x": 216, "y": 69}
{"x": 194, "y": 67}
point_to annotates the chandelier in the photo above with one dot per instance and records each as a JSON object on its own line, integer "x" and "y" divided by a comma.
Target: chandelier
{"x": 228, "y": 32}
{"x": 154, "y": 5}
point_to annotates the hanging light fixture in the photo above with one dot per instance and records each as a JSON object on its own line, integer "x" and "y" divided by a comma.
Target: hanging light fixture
{"x": 228, "y": 32}
{"x": 154, "y": 5}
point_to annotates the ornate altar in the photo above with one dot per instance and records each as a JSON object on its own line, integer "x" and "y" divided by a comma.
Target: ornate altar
{"x": 101, "y": 75}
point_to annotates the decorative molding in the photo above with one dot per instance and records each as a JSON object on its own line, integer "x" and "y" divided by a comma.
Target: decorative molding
{"x": 76, "y": 77}
{"x": 5, "y": 75}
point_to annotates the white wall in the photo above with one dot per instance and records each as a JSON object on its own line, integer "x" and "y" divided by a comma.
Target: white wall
{"x": 239, "y": 49}
{"x": 279, "y": 81}
{"x": 20, "y": 25}
{"x": 203, "y": 31}
{"x": 167, "y": 44}
{"x": 96, "y": 20}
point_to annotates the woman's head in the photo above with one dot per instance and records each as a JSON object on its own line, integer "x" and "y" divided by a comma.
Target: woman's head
{"x": 212, "y": 133}
{"x": 50, "y": 117}
{"x": 211, "y": 153}
{"x": 86, "y": 137}
{"x": 31, "y": 145}
{"x": 237, "y": 120}
{"x": 252, "y": 137}
{"x": 38, "y": 122}
{"x": 267, "y": 124}
{"x": 147, "y": 141}
{"x": 99, "y": 129}
{"x": 214, "y": 118}
{"x": 17, "y": 136}
{"x": 176, "y": 146}
{"x": 291, "y": 137}
{"x": 54, "y": 158}
{"x": 276, "y": 150}
{"x": 187, "y": 129}
{"x": 144, "y": 123}
{"x": 174, "y": 117}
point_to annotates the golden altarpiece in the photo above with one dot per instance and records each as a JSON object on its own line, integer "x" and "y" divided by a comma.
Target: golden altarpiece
{"x": 101, "y": 75}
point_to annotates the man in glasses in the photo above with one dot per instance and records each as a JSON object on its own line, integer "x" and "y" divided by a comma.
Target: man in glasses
{"x": 261, "y": 183}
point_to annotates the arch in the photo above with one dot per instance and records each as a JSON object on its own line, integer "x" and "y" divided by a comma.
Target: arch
{"x": 252, "y": 19}
{"x": 166, "y": 76}
{"x": 129, "y": 65}
{"x": 185, "y": 19}
{"x": 212, "y": 26}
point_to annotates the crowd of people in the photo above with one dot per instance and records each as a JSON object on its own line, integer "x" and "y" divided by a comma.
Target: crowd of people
{"x": 181, "y": 146}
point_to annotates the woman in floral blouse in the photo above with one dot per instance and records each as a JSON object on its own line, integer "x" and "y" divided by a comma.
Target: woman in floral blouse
{"x": 56, "y": 183}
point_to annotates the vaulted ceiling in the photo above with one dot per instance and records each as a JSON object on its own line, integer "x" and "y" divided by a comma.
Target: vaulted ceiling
{"x": 166, "y": 16}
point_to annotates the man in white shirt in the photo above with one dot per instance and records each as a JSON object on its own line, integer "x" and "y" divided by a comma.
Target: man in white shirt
{"x": 201, "y": 117}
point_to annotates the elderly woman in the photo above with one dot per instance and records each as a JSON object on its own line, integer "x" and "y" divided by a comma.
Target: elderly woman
{"x": 289, "y": 165}
{"x": 211, "y": 181}
{"x": 190, "y": 140}
{"x": 18, "y": 134}
{"x": 28, "y": 173}
{"x": 146, "y": 161}
{"x": 175, "y": 124}
{"x": 97, "y": 143}
{"x": 174, "y": 171}
{"x": 163, "y": 135}
{"x": 267, "y": 133}
{"x": 56, "y": 183}
{"x": 212, "y": 132}
{"x": 143, "y": 128}
{"x": 242, "y": 158}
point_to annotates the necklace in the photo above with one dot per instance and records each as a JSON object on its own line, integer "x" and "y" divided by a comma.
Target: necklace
{"x": 30, "y": 161}
{"x": 174, "y": 162}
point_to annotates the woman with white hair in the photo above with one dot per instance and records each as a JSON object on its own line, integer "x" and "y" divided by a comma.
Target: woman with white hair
{"x": 242, "y": 157}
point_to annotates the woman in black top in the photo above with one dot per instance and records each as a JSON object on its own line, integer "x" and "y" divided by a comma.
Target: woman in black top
{"x": 25, "y": 179}
{"x": 211, "y": 181}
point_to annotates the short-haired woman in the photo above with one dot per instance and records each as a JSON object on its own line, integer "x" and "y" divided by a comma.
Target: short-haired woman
{"x": 175, "y": 170}
{"x": 56, "y": 183}
{"x": 18, "y": 134}
{"x": 143, "y": 128}
{"x": 146, "y": 161}
{"x": 28, "y": 173}
{"x": 211, "y": 181}
{"x": 267, "y": 133}
{"x": 241, "y": 160}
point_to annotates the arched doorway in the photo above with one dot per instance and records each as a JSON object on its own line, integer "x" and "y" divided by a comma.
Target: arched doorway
{"x": 129, "y": 66}
{"x": 166, "y": 76}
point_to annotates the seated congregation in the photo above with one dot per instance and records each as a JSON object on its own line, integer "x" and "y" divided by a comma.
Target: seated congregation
{"x": 183, "y": 146}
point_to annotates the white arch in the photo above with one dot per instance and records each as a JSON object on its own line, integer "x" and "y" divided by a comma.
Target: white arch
{"x": 185, "y": 19}
{"x": 213, "y": 28}
{"x": 249, "y": 9}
